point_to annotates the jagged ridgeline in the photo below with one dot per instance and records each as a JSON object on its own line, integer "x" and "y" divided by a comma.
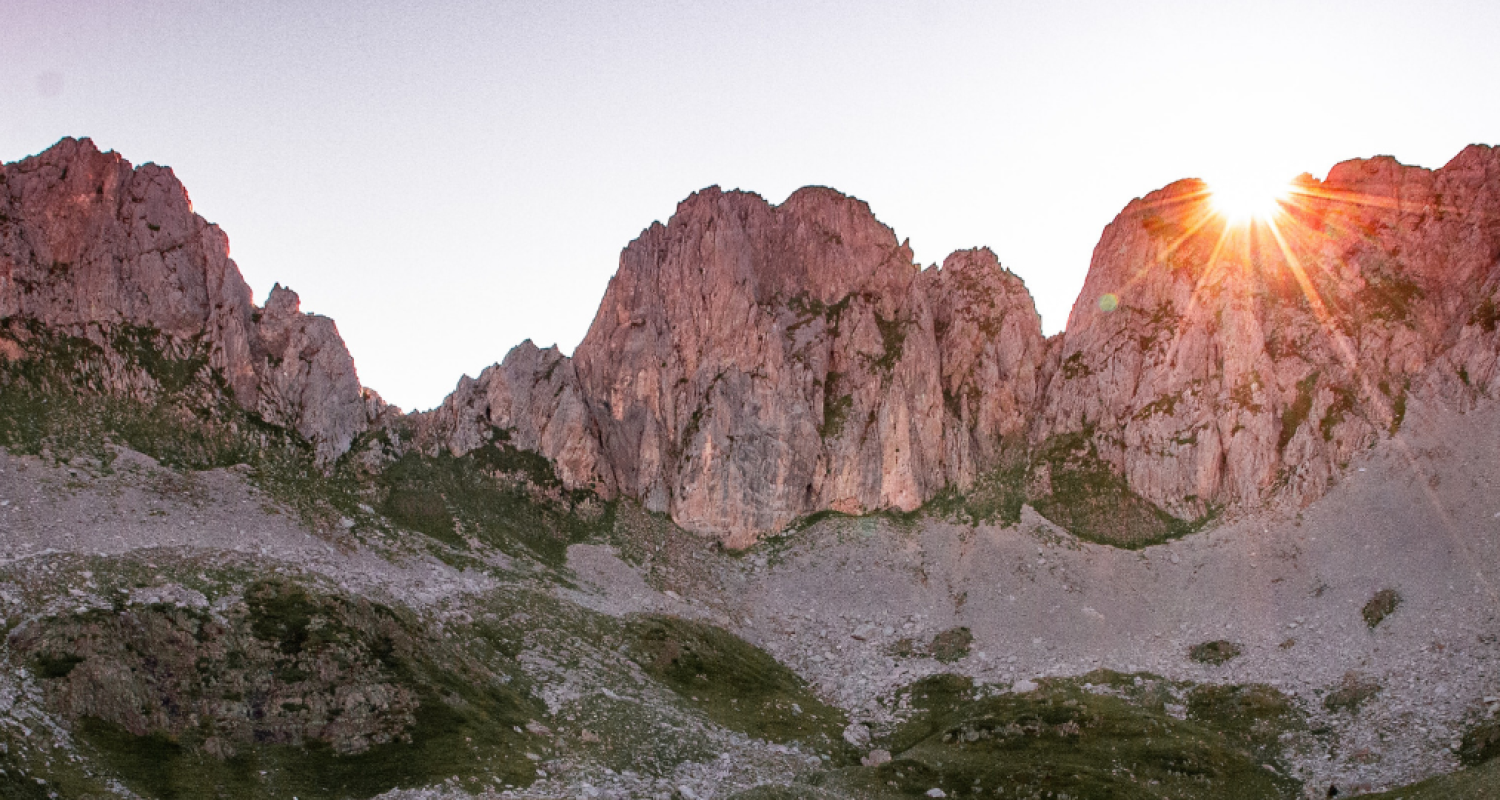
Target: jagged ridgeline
{"x": 80, "y": 396}
{"x": 754, "y": 364}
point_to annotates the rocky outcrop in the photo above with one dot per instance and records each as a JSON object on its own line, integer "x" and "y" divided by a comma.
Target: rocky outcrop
{"x": 1216, "y": 365}
{"x": 533, "y": 399}
{"x": 89, "y": 243}
{"x": 753, "y": 363}
{"x": 989, "y": 337}
{"x": 305, "y": 375}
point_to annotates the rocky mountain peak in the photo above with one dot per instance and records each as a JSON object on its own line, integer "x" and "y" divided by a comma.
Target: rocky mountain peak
{"x": 1216, "y": 365}
{"x": 90, "y": 244}
{"x": 753, "y": 363}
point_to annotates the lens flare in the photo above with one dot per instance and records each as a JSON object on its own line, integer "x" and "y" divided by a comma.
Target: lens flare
{"x": 1244, "y": 199}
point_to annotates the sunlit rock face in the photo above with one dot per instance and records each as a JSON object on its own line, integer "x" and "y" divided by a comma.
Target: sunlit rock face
{"x": 89, "y": 243}
{"x": 991, "y": 349}
{"x": 534, "y": 397}
{"x": 753, "y": 363}
{"x": 1217, "y": 364}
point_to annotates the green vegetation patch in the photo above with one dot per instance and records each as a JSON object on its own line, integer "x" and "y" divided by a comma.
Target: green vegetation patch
{"x": 784, "y": 792}
{"x": 1474, "y": 783}
{"x": 996, "y": 496}
{"x": 16, "y": 783}
{"x": 290, "y": 692}
{"x": 1486, "y": 315}
{"x": 1215, "y": 652}
{"x": 1381, "y": 605}
{"x": 892, "y": 338}
{"x": 499, "y": 495}
{"x": 951, "y": 645}
{"x": 947, "y": 646}
{"x": 1093, "y": 501}
{"x": 1481, "y": 743}
{"x": 1101, "y": 735}
{"x": 1297, "y": 412}
{"x": 1398, "y": 403}
{"x": 1389, "y": 297}
{"x": 835, "y": 407}
{"x": 51, "y": 665}
{"x": 1342, "y": 405}
{"x": 734, "y": 683}
{"x": 1351, "y": 692}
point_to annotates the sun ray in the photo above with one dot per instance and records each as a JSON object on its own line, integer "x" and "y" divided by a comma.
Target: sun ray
{"x": 1193, "y": 301}
{"x": 1196, "y": 202}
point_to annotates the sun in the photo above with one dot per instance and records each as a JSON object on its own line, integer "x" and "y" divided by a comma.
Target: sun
{"x": 1246, "y": 198}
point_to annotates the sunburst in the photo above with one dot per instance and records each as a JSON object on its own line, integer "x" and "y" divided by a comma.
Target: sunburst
{"x": 1248, "y": 198}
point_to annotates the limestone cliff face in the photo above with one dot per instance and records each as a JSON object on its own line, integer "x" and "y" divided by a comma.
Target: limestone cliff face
{"x": 305, "y": 376}
{"x": 753, "y": 363}
{"x": 534, "y": 396}
{"x": 88, "y": 242}
{"x": 1217, "y": 365}
{"x": 989, "y": 337}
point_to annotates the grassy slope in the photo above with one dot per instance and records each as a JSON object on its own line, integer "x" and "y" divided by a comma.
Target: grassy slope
{"x": 1474, "y": 783}
{"x": 1116, "y": 738}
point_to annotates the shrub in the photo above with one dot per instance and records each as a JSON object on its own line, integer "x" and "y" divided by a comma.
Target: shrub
{"x": 1481, "y": 743}
{"x": 1351, "y": 693}
{"x": 951, "y": 645}
{"x": 1215, "y": 652}
{"x": 1381, "y": 605}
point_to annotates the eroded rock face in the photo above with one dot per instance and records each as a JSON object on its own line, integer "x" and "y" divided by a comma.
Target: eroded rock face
{"x": 753, "y": 363}
{"x": 989, "y": 337}
{"x": 1217, "y": 365}
{"x": 306, "y": 376}
{"x": 534, "y": 397}
{"x": 88, "y": 242}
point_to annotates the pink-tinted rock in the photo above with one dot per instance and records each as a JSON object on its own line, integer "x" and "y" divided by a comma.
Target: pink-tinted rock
{"x": 534, "y": 396}
{"x": 1244, "y": 363}
{"x": 753, "y": 363}
{"x": 87, "y": 240}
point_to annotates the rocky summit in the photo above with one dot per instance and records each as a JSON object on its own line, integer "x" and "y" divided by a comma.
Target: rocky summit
{"x": 799, "y": 517}
{"x": 752, "y": 364}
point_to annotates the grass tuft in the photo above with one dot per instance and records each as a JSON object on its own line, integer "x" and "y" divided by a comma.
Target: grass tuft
{"x": 1215, "y": 652}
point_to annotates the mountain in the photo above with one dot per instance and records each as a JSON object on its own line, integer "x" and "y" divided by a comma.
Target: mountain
{"x": 1232, "y": 533}
{"x": 1252, "y": 362}
{"x": 751, "y": 365}
{"x": 754, "y": 364}
{"x": 94, "y": 248}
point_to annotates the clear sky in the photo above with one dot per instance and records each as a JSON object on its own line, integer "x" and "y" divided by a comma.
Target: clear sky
{"x": 445, "y": 179}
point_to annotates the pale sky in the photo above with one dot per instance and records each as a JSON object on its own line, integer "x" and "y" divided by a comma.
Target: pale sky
{"x": 446, "y": 179}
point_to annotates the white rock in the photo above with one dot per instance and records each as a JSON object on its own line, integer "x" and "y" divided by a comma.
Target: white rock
{"x": 857, "y": 734}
